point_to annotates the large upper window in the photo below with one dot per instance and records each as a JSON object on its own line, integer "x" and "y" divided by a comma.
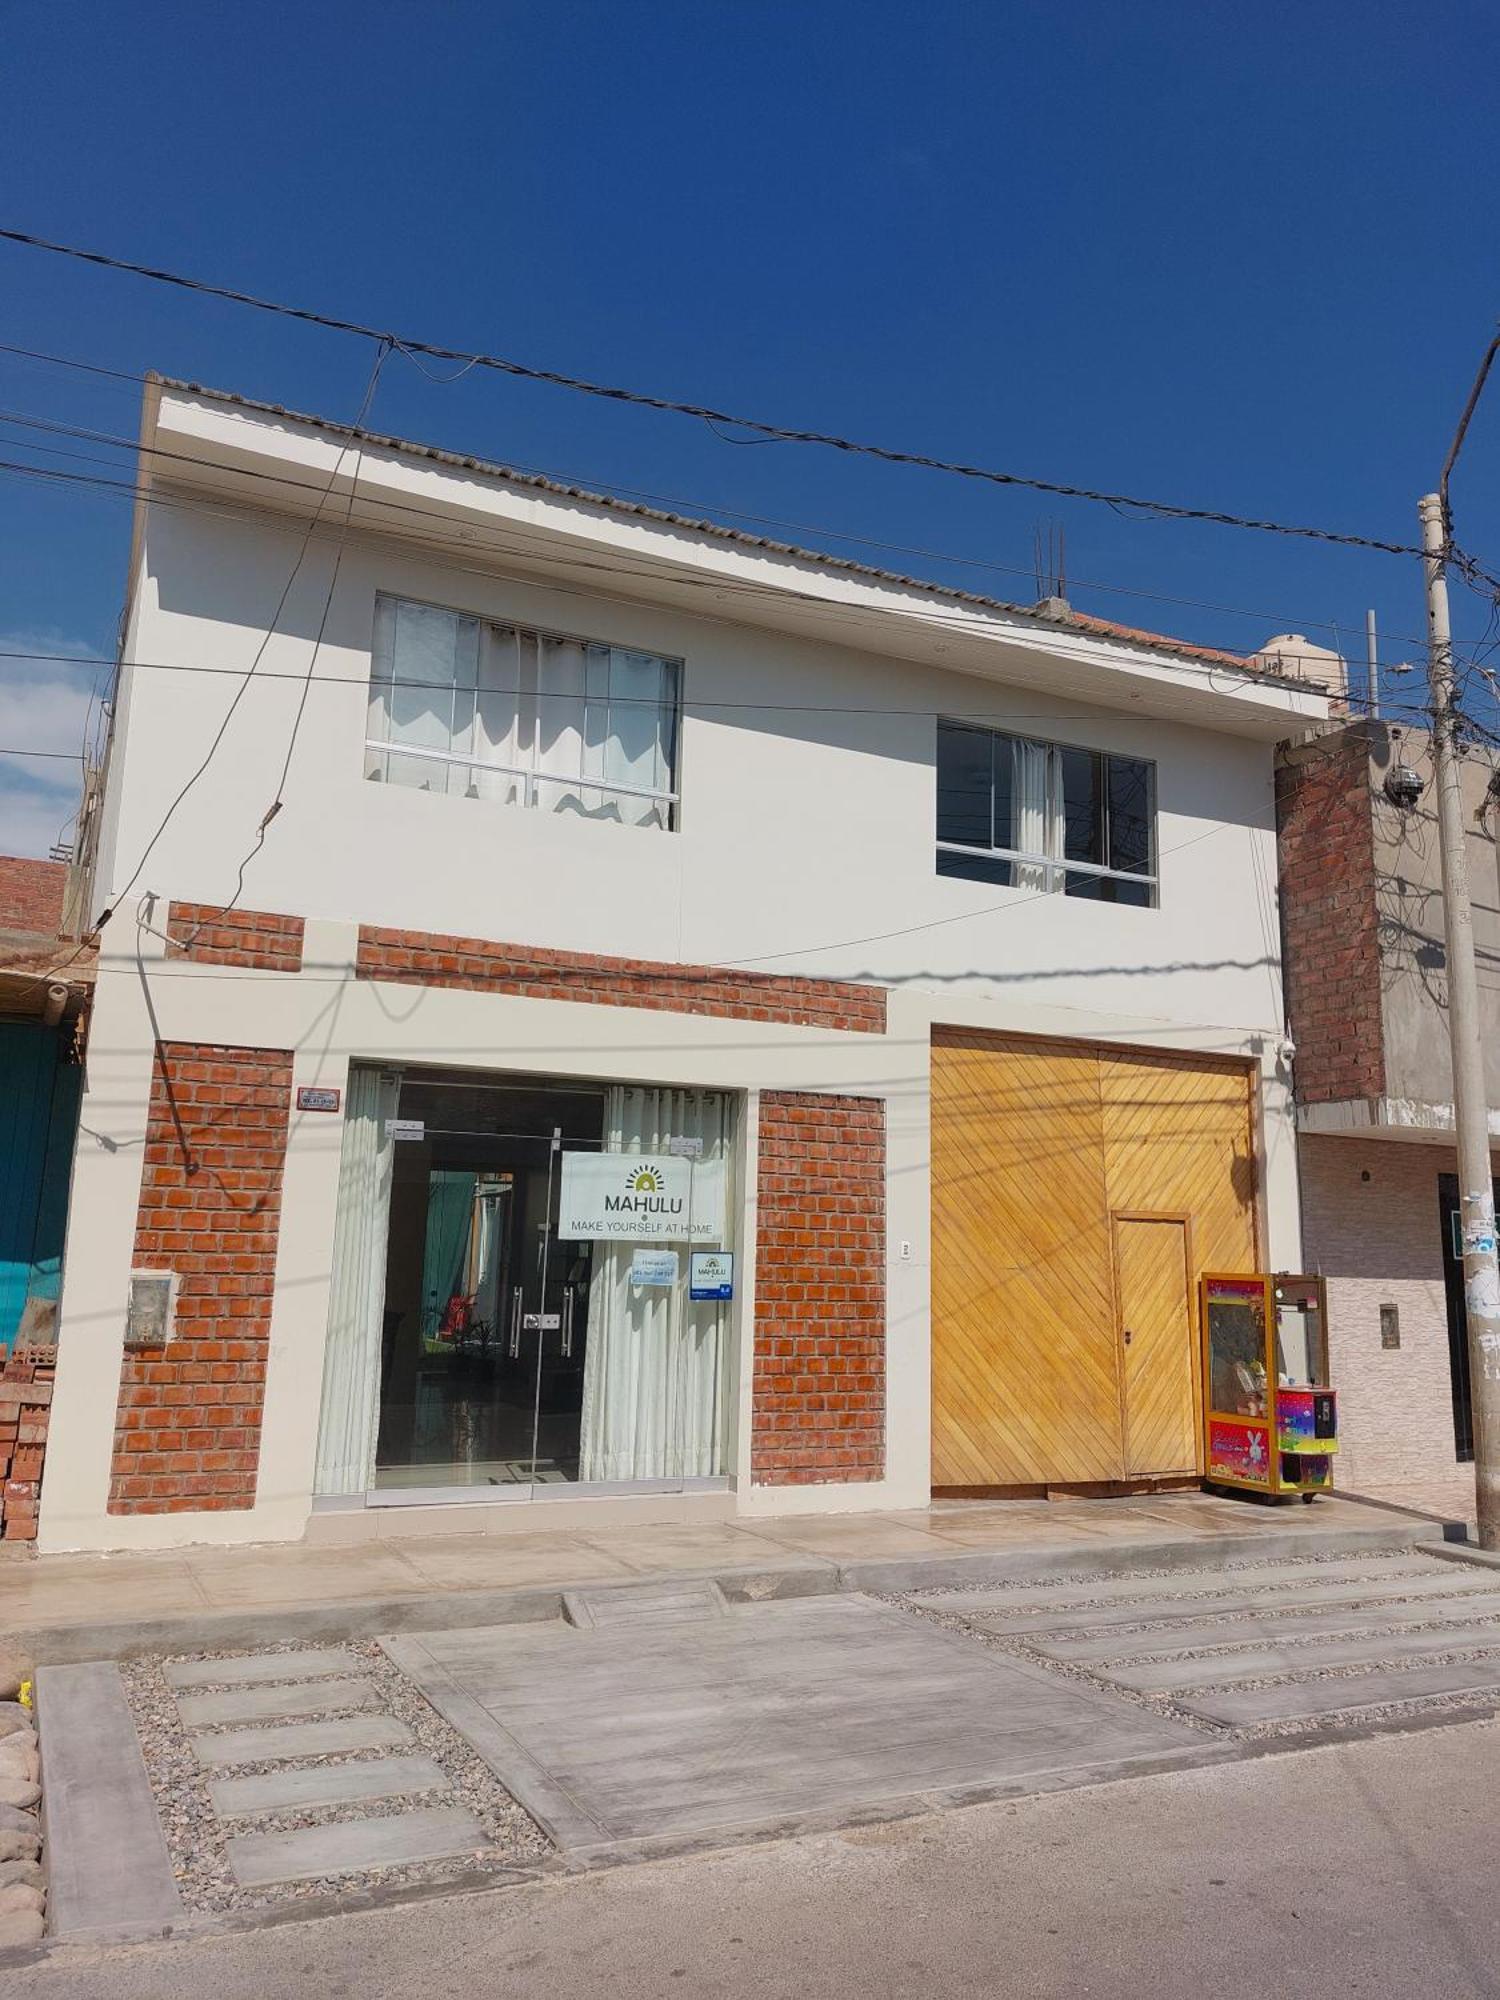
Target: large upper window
{"x": 487, "y": 711}
{"x": 1045, "y": 816}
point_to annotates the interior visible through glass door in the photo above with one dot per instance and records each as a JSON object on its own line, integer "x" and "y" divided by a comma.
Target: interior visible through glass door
{"x": 483, "y": 1339}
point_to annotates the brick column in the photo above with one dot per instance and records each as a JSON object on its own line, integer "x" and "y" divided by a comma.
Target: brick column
{"x": 818, "y": 1397}
{"x": 1330, "y": 917}
{"x": 187, "y": 1427}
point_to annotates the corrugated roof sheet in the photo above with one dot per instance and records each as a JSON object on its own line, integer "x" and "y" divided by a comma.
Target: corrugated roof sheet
{"x": 1070, "y": 620}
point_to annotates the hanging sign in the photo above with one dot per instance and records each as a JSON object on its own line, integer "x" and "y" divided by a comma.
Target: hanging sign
{"x": 711, "y": 1274}
{"x": 649, "y": 1198}
{"x": 405, "y": 1128}
{"x": 685, "y": 1149}
{"x": 653, "y": 1267}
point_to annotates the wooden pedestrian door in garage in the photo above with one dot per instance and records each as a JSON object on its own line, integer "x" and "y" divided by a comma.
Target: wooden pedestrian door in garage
{"x": 1077, "y": 1192}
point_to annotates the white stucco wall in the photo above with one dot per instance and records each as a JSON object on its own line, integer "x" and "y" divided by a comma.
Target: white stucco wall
{"x": 806, "y": 846}
{"x": 807, "y": 830}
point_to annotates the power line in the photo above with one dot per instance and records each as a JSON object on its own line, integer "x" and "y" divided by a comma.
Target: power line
{"x": 1179, "y": 659}
{"x": 16, "y": 750}
{"x": 703, "y": 413}
{"x": 248, "y": 676}
{"x": 702, "y": 509}
{"x": 688, "y": 703}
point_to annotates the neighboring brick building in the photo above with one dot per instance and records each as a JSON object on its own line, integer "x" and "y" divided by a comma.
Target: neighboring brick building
{"x": 1362, "y": 922}
{"x": 46, "y": 979}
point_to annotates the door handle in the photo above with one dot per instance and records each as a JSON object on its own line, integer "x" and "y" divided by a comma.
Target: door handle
{"x": 567, "y": 1325}
{"x": 515, "y": 1323}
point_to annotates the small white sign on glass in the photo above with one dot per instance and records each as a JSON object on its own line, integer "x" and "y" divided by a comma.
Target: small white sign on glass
{"x": 653, "y": 1267}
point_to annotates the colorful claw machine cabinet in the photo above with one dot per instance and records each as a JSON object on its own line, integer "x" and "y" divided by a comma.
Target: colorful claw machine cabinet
{"x": 1270, "y": 1418}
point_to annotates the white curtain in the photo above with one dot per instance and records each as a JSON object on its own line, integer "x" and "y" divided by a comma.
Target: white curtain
{"x": 653, "y": 1371}
{"x": 1031, "y": 790}
{"x": 356, "y": 1301}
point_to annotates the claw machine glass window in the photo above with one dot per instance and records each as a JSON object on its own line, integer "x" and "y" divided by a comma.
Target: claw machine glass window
{"x": 1269, "y": 1412}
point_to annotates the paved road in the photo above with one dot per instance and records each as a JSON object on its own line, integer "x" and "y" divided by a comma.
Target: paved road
{"x": 1371, "y": 1869}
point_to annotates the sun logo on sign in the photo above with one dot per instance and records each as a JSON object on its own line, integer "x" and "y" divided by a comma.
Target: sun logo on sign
{"x": 645, "y": 1180}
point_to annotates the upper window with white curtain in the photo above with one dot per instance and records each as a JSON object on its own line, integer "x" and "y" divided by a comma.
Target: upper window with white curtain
{"x": 1045, "y": 816}
{"x": 482, "y": 710}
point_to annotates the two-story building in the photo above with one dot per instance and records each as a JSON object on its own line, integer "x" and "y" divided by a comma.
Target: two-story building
{"x": 603, "y": 1015}
{"x": 1367, "y": 993}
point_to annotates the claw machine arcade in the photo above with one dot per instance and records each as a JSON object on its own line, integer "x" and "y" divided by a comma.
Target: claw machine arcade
{"x": 1270, "y": 1419}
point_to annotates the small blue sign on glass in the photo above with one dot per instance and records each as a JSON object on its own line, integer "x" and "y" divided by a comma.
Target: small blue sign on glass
{"x": 711, "y": 1274}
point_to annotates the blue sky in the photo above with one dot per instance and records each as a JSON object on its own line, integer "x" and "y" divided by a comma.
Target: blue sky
{"x": 1239, "y": 257}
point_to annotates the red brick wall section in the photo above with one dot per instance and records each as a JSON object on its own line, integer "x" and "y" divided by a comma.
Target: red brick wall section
{"x": 187, "y": 1427}
{"x": 25, "y": 1406}
{"x": 818, "y": 1403}
{"x": 1330, "y": 928}
{"x": 31, "y": 894}
{"x": 214, "y": 936}
{"x": 418, "y": 959}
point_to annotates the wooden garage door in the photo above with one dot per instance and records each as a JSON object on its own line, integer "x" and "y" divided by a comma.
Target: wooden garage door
{"x": 1037, "y": 1147}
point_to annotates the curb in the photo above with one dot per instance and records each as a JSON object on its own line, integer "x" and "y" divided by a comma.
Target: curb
{"x": 445, "y": 1610}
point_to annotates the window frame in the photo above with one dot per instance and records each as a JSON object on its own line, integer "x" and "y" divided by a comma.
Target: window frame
{"x": 1056, "y": 868}
{"x": 529, "y": 775}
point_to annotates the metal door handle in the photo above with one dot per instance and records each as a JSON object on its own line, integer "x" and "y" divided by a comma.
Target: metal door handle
{"x": 515, "y": 1323}
{"x": 567, "y": 1325}
{"x": 1127, "y": 1336}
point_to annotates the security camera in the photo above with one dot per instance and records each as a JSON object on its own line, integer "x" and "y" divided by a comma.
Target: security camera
{"x": 1403, "y": 786}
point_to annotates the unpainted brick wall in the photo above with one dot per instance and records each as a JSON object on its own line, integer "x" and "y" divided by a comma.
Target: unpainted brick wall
{"x": 818, "y": 1395}
{"x": 254, "y": 938}
{"x": 187, "y": 1427}
{"x": 420, "y": 959}
{"x": 31, "y": 894}
{"x": 1379, "y": 1241}
{"x": 25, "y": 1407}
{"x": 1329, "y": 918}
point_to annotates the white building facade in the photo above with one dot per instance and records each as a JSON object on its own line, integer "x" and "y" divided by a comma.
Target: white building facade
{"x": 472, "y": 845}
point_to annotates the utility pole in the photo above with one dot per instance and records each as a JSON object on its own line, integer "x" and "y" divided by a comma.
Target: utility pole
{"x": 1470, "y": 1102}
{"x": 1372, "y": 669}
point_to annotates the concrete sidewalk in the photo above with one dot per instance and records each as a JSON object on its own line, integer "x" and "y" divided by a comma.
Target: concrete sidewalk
{"x": 62, "y": 1608}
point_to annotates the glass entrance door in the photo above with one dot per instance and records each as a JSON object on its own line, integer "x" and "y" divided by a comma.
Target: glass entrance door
{"x": 482, "y": 1362}
{"x": 519, "y": 1358}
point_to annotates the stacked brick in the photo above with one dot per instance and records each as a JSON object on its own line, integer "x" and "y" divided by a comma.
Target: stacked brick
{"x": 187, "y": 1427}
{"x": 32, "y": 894}
{"x": 421, "y": 959}
{"x": 25, "y": 1406}
{"x": 256, "y": 939}
{"x": 1330, "y": 921}
{"x": 818, "y": 1410}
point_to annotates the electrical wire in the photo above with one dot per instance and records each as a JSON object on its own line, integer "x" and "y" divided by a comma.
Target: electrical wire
{"x": 245, "y": 681}
{"x": 701, "y": 511}
{"x": 1055, "y": 635}
{"x": 411, "y": 346}
{"x": 689, "y": 704}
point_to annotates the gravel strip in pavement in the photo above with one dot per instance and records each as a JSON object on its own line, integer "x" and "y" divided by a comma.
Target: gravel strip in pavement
{"x": 196, "y": 1835}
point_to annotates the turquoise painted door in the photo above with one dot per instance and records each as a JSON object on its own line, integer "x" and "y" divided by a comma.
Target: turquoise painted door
{"x": 38, "y": 1122}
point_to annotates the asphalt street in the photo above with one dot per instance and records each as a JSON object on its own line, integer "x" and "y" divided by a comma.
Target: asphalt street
{"x": 1372, "y": 1868}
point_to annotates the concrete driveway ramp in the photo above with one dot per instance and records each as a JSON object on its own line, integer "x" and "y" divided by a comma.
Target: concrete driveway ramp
{"x": 1289, "y": 1647}
{"x": 638, "y": 1604}
{"x": 766, "y": 1715}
